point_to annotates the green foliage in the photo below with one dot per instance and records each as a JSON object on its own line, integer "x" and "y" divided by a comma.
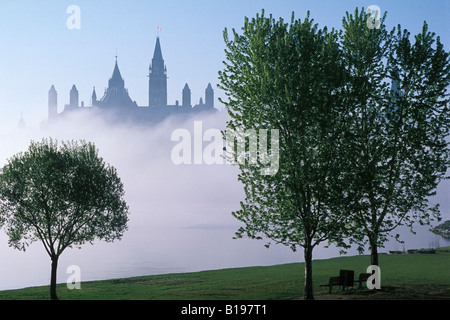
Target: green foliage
{"x": 62, "y": 195}
{"x": 399, "y": 151}
{"x": 357, "y": 158}
{"x": 289, "y": 77}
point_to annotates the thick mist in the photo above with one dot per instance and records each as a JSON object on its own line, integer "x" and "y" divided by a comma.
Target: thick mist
{"x": 180, "y": 215}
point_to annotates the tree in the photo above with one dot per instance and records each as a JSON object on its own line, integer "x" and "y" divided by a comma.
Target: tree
{"x": 290, "y": 78}
{"x": 63, "y": 195}
{"x": 397, "y": 93}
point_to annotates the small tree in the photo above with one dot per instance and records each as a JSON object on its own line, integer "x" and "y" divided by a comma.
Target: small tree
{"x": 63, "y": 196}
{"x": 290, "y": 77}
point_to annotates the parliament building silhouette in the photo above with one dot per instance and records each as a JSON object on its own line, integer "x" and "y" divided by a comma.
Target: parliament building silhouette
{"x": 117, "y": 105}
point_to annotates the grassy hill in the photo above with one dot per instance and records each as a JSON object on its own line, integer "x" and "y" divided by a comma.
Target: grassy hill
{"x": 426, "y": 274}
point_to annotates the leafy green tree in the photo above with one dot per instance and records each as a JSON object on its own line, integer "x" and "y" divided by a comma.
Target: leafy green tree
{"x": 399, "y": 153}
{"x": 63, "y": 195}
{"x": 290, "y": 77}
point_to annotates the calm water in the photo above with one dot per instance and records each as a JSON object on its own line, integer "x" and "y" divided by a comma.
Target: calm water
{"x": 180, "y": 216}
{"x": 151, "y": 249}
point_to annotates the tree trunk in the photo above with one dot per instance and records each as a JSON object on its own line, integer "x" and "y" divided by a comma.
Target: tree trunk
{"x": 308, "y": 292}
{"x": 53, "y": 295}
{"x": 373, "y": 252}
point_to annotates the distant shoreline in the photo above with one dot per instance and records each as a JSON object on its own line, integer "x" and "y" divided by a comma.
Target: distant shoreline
{"x": 442, "y": 230}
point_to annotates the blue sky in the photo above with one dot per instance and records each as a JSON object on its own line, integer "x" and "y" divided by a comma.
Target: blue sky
{"x": 38, "y": 50}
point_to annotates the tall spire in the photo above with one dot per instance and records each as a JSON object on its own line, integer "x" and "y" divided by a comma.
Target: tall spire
{"x": 157, "y": 66}
{"x": 52, "y": 102}
{"x": 94, "y": 96}
{"x": 74, "y": 97}
{"x": 186, "y": 95}
{"x": 157, "y": 54}
{"x": 209, "y": 96}
{"x": 157, "y": 85}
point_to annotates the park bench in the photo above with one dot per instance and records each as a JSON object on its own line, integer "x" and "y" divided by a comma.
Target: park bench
{"x": 362, "y": 278}
{"x": 345, "y": 280}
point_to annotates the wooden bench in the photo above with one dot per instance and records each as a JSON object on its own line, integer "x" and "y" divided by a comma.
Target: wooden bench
{"x": 334, "y": 281}
{"x": 362, "y": 278}
{"x": 344, "y": 280}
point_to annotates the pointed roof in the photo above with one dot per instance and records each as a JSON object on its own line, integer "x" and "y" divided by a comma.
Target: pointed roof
{"x": 74, "y": 89}
{"x": 52, "y": 90}
{"x": 157, "y": 54}
{"x": 209, "y": 88}
{"x": 186, "y": 87}
{"x": 115, "y": 95}
{"x": 157, "y": 66}
{"x": 116, "y": 78}
{"x": 116, "y": 73}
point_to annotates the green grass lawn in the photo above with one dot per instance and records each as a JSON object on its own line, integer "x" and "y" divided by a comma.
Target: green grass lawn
{"x": 265, "y": 283}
